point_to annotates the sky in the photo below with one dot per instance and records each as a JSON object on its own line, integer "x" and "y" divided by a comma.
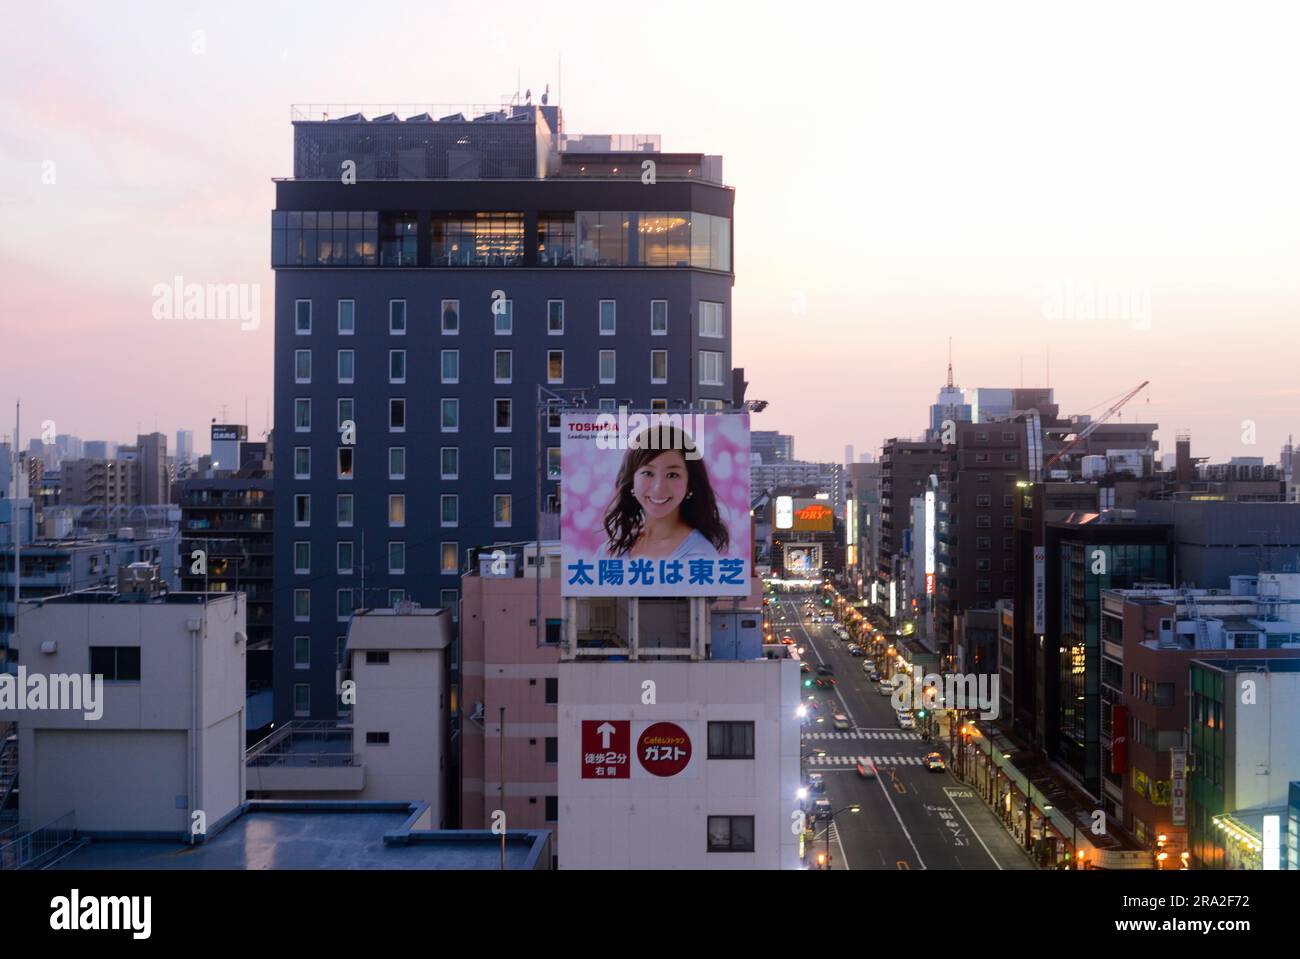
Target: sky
{"x": 1108, "y": 189}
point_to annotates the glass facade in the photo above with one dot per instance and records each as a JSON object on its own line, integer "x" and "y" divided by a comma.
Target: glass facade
{"x": 586, "y": 238}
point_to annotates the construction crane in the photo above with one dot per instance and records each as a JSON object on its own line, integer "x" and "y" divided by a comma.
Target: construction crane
{"x": 1084, "y": 433}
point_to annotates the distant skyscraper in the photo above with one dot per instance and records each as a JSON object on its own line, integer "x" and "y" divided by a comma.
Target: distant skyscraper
{"x": 848, "y": 453}
{"x": 772, "y": 447}
{"x": 184, "y": 446}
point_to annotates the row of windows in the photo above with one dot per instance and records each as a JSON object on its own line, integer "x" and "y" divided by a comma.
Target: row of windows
{"x": 349, "y": 599}
{"x": 711, "y": 323}
{"x": 502, "y": 462}
{"x": 502, "y": 366}
{"x": 345, "y": 558}
{"x": 448, "y": 512}
{"x": 984, "y": 521}
{"x": 985, "y": 500}
{"x": 1006, "y": 457}
{"x": 607, "y": 238}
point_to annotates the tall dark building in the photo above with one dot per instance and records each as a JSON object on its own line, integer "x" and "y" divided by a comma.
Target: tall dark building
{"x": 473, "y": 260}
{"x": 905, "y": 470}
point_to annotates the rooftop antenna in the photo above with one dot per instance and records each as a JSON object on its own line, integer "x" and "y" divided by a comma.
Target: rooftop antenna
{"x": 950, "y": 362}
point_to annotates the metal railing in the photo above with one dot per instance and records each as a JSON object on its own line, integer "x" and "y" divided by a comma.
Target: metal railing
{"x": 33, "y": 849}
{"x": 304, "y": 743}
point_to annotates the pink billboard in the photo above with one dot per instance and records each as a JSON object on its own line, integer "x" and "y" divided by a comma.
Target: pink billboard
{"x": 655, "y": 504}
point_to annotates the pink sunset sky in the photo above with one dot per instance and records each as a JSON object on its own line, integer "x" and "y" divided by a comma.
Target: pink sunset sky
{"x": 904, "y": 173}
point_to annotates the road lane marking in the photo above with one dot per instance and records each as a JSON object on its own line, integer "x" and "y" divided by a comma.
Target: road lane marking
{"x": 890, "y": 799}
{"x": 975, "y": 831}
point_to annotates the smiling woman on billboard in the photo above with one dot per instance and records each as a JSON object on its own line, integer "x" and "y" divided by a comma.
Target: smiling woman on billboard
{"x": 663, "y": 505}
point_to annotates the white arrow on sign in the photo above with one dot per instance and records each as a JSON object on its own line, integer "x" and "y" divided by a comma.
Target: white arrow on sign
{"x": 605, "y": 730}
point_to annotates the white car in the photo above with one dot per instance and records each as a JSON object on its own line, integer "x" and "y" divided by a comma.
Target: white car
{"x": 886, "y": 689}
{"x": 905, "y": 721}
{"x": 840, "y": 720}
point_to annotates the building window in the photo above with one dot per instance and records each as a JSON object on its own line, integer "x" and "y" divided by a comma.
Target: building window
{"x": 710, "y": 368}
{"x": 711, "y": 319}
{"x": 552, "y": 683}
{"x": 301, "y": 605}
{"x": 501, "y": 421}
{"x": 302, "y": 558}
{"x": 397, "y": 509}
{"x": 346, "y": 411}
{"x": 555, "y": 366}
{"x": 983, "y": 521}
{"x": 302, "y": 317}
{"x": 501, "y": 462}
{"x": 659, "y": 404}
{"x": 981, "y": 457}
{"x": 302, "y": 509}
{"x": 607, "y": 367}
{"x": 343, "y": 604}
{"x": 983, "y": 565}
{"x": 450, "y": 558}
{"x": 710, "y": 406}
{"x": 376, "y": 739}
{"x": 658, "y": 366}
{"x": 302, "y": 366}
{"x": 117, "y": 664}
{"x": 553, "y": 627}
{"x": 1008, "y": 542}
{"x": 450, "y": 415}
{"x": 983, "y": 586}
{"x": 1008, "y": 522}
{"x": 395, "y": 596}
{"x": 397, "y": 317}
{"x": 556, "y": 240}
{"x": 396, "y": 558}
{"x": 552, "y": 462}
{"x": 450, "y": 509}
{"x": 478, "y": 239}
{"x": 345, "y": 462}
{"x": 343, "y": 503}
{"x": 503, "y": 317}
{"x": 1009, "y": 457}
{"x": 347, "y": 317}
{"x": 658, "y": 317}
{"x": 397, "y": 462}
{"x": 451, "y": 366}
{"x": 555, "y": 317}
{"x": 450, "y": 463}
{"x": 983, "y": 500}
{"x": 397, "y": 366}
{"x": 450, "y": 599}
{"x": 731, "y": 740}
{"x": 983, "y": 542}
{"x": 302, "y": 652}
{"x": 301, "y": 699}
{"x": 552, "y": 750}
{"x": 341, "y": 649}
{"x": 397, "y": 416}
{"x": 608, "y": 320}
{"x": 302, "y": 416}
{"x": 981, "y": 437}
{"x": 502, "y": 366}
{"x": 343, "y": 557}
{"x": 501, "y": 509}
{"x": 347, "y": 362}
{"x": 450, "y": 317}
{"x": 376, "y": 657}
{"x": 552, "y": 808}
{"x": 302, "y": 462}
{"x": 731, "y": 833}
{"x": 1008, "y": 501}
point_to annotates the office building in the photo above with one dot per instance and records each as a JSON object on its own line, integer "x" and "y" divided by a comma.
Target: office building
{"x": 477, "y": 265}
{"x": 769, "y": 446}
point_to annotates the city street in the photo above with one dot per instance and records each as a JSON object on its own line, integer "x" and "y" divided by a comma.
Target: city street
{"x": 910, "y": 817}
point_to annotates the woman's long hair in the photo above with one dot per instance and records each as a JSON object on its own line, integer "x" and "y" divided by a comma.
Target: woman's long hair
{"x": 624, "y": 521}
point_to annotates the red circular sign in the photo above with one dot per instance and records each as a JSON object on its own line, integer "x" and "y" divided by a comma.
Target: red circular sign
{"x": 663, "y": 749}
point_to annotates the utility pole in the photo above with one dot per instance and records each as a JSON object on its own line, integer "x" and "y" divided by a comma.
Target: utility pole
{"x": 501, "y": 775}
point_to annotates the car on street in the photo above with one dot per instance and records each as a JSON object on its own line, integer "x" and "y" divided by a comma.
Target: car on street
{"x": 875, "y": 675}
{"x": 886, "y": 689}
{"x": 826, "y": 682}
{"x": 824, "y": 669}
{"x": 805, "y": 668}
{"x": 905, "y": 721}
{"x": 866, "y": 770}
{"x": 868, "y": 666}
{"x": 840, "y": 720}
{"x": 934, "y": 763}
{"x": 856, "y": 650}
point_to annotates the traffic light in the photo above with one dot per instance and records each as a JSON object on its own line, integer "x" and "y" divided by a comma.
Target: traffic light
{"x": 920, "y": 714}
{"x": 807, "y": 683}
{"x": 821, "y": 860}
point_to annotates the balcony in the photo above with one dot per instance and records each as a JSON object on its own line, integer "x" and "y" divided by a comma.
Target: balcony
{"x": 305, "y": 756}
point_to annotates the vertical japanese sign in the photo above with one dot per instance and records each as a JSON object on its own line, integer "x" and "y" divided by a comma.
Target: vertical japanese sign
{"x": 1040, "y": 589}
{"x": 1178, "y": 770}
{"x": 606, "y": 749}
{"x": 655, "y": 504}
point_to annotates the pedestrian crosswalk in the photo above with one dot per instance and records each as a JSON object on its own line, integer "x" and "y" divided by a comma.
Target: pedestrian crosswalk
{"x": 865, "y": 734}
{"x": 854, "y": 760}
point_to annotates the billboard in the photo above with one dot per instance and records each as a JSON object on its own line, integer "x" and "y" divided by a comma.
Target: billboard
{"x": 784, "y": 513}
{"x": 1040, "y": 589}
{"x": 803, "y": 560}
{"x": 655, "y": 504}
{"x": 813, "y": 516}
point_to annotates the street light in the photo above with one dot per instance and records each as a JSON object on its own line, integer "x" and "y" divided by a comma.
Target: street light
{"x": 824, "y": 860}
